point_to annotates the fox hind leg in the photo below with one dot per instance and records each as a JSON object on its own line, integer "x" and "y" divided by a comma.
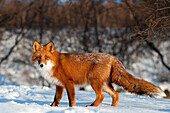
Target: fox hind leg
{"x": 108, "y": 88}
{"x": 99, "y": 94}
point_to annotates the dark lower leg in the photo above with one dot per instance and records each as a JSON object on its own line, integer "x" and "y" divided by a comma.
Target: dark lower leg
{"x": 58, "y": 95}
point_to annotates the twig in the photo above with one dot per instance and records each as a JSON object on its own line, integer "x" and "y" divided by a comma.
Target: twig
{"x": 9, "y": 18}
{"x": 150, "y": 44}
{"x": 12, "y": 48}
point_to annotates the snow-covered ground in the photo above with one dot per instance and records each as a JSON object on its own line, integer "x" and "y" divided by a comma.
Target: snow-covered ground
{"x": 37, "y": 99}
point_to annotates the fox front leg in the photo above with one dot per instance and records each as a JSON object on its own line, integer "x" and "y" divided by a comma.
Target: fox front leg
{"x": 71, "y": 93}
{"x": 58, "y": 95}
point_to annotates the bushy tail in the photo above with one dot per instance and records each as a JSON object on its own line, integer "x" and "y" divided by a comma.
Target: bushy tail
{"x": 122, "y": 78}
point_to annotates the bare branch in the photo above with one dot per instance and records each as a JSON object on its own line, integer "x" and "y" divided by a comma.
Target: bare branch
{"x": 9, "y": 18}
{"x": 18, "y": 39}
{"x": 145, "y": 32}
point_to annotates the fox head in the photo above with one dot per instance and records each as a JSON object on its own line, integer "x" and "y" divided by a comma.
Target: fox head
{"x": 43, "y": 56}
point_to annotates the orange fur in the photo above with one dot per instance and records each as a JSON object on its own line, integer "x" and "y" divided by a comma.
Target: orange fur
{"x": 98, "y": 69}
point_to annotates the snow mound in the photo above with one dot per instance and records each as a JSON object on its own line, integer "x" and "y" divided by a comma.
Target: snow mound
{"x": 24, "y": 99}
{"x": 4, "y": 80}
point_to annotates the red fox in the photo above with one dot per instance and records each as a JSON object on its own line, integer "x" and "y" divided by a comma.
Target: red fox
{"x": 98, "y": 69}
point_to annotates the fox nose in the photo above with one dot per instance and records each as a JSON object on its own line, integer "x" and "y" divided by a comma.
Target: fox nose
{"x": 41, "y": 65}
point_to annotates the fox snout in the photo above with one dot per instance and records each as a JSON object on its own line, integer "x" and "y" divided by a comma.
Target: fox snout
{"x": 41, "y": 65}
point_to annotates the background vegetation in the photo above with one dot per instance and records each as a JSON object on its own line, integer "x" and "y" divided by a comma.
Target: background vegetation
{"x": 127, "y": 29}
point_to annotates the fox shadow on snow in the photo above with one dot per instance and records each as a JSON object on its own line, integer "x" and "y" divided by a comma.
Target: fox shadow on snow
{"x": 29, "y": 101}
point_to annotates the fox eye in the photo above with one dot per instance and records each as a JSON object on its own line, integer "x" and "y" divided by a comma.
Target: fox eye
{"x": 46, "y": 57}
{"x": 39, "y": 57}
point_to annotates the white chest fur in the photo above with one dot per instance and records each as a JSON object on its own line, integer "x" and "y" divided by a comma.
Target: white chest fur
{"x": 46, "y": 73}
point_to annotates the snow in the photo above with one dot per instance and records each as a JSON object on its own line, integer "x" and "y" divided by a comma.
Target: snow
{"x": 36, "y": 99}
{"x": 165, "y": 86}
{"x": 4, "y": 80}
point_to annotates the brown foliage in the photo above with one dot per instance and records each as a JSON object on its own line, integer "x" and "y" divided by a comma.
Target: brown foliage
{"x": 93, "y": 21}
{"x": 52, "y": 14}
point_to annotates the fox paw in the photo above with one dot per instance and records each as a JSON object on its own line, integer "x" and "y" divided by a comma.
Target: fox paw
{"x": 53, "y": 104}
{"x": 88, "y": 105}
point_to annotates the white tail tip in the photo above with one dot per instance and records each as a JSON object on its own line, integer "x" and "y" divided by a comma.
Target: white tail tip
{"x": 159, "y": 94}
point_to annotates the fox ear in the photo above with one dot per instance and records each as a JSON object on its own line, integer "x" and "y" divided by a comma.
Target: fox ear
{"x": 36, "y": 46}
{"x": 50, "y": 47}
